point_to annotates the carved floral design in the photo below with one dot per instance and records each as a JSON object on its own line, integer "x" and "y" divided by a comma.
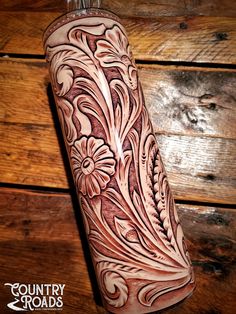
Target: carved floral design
{"x": 93, "y": 165}
{"x": 114, "y": 51}
{"x": 136, "y": 240}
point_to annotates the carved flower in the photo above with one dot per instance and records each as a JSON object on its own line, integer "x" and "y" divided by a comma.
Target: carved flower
{"x": 93, "y": 165}
{"x": 115, "y": 51}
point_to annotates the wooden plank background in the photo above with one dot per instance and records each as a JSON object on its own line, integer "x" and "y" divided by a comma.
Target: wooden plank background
{"x": 185, "y": 51}
{"x": 188, "y": 39}
{"x": 135, "y": 7}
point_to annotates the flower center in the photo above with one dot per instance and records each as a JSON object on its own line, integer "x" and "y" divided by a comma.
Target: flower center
{"x": 88, "y": 165}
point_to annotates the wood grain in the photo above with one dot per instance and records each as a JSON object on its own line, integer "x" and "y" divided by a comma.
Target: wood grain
{"x": 193, "y": 115}
{"x": 40, "y": 243}
{"x": 192, "y": 102}
{"x": 135, "y": 7}
{"x": 189, "y": 39}
{"x": 200, "y": 169}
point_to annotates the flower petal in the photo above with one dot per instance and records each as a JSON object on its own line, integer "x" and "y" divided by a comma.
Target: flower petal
{"x": 106, "y": 53}
{"x": 109, "y": 169}
{"x": 107, "y": 165}
{"x": 103, "y": 47}
{"x": 77, "y": 172}
{"x": 102, "y": 152}
{"x": 117, "y": 38}
{"x": 81, "y": 185}
{"x": 102, "y": 178}
{"x": 81, "y": 146}
{"x": 92, "y": 186}
{"x": 93, "y": 144}
{"x": 76, "y": 155}
{"x": 110, "y": 50}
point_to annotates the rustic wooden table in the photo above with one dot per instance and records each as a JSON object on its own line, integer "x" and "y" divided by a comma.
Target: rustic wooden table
{"x": 186, "y": 53}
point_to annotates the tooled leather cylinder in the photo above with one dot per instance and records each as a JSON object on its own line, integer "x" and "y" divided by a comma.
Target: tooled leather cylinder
{"x": 135, "y": 237}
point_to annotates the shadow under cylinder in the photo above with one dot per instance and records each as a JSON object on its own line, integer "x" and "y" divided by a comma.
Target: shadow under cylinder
{"x": 135, "y": 238}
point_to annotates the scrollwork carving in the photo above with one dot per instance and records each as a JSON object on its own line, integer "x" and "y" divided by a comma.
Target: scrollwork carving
{"x": 129, "y": 213}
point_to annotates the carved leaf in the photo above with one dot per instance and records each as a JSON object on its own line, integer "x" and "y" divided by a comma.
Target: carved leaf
{"x": 119, "y": 266}
{"x": 79, "y": 116}
{"x": 152, "y": 291}
{"x": 121, "y": 89}
{"x": 126, "y": 229}
{"x": 65, "y": 112}
{"x": 124, "y": 166}
{"x": 64, "y": 79}
{"x": 62, "y": 59}
{"x": 137, "y": 242}
{"x": 75, "y": 33}
{"x": 99, "y": 103}
{"x": 118, "y": 118}
{"x": 114, "y": 288}
{"x": 130, "y": 110}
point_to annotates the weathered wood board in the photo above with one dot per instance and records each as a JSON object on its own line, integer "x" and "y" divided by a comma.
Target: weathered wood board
{"x": 134, "y": 7}
{"x": 196, "y": 39}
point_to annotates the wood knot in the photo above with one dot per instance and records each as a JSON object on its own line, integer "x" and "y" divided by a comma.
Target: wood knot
{"x": 217, "y": 219}
{"x": 183, "y": 25}
{"x": 26, "y": 222}
{"x": 210, "y": 177}
{"x": 212, "y": 106}
{"x": 221, "y": 36}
